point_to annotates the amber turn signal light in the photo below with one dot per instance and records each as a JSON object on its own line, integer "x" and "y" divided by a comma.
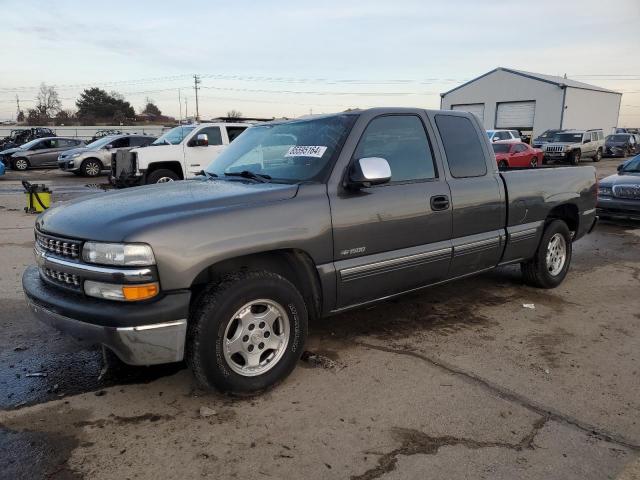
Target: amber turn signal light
{"x": 140, "y": 292}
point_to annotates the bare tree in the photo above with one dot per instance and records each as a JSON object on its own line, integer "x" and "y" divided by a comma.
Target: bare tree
{"x": 48, "y": 102}
{"x": 234, "y": 114}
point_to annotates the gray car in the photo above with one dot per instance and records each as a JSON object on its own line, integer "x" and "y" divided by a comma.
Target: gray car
{"x": 41, "y": 152}
{"x": 619, "y": 195}
{"x": 90, "y": 160}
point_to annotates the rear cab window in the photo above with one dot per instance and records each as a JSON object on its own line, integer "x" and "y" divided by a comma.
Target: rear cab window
{"x": 233, "y": 132}
{"x": 464, "y": 152}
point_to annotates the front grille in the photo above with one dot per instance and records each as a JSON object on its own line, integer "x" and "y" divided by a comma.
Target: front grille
{"x": 627, "y": 191}
{"x": 554, "y": 148}
{"x": 61, "y": 247}
{"x": 62, "y": 278}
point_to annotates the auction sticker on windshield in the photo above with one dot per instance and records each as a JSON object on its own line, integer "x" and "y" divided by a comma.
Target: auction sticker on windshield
{"x": 306, "y": 151}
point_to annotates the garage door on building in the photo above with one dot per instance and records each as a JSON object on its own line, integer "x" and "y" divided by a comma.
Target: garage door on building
{"x": 516, "y": 115}
{"x": 476, "y": 108}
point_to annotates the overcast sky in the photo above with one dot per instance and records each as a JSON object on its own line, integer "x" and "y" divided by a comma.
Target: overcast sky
{"x": 290, "y": 57}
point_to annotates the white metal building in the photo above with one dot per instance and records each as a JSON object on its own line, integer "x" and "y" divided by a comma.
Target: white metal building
{"x": 513, "y": 99}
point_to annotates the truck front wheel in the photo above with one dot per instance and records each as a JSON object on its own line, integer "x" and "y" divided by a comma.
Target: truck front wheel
{"x": 575, "y": 157}
{"x": 246, "y": 333}
{"x": 550, "y": 264}
{"x": 162, "y": 175}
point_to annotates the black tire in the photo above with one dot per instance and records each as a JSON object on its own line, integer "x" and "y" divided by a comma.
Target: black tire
{"x": 20, "y": 164}
{"x": 535, "y": 271}
{"x": 162, "y": 175}
{"x": 91, "y": 167}
{"x": 503, "y": 165}
{"x": 575, "y": 157}
{"x": 598, "y": 156}
{"x": 214, "y": 311}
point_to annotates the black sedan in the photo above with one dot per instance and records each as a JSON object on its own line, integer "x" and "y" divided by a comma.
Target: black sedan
{"x": 620, "y": 145}
{"x": 619, "y": 195}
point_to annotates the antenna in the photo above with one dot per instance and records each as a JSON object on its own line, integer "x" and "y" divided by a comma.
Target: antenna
{"x": 196, "y": 82}
{"x": 180, "y": 106}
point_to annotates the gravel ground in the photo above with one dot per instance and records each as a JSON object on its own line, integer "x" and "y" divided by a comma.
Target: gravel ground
{"x": 459, "y": 381}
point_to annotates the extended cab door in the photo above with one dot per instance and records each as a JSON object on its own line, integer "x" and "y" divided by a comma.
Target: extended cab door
{"x": 393, "y": 237}
{"x": 197, "y": 157}
{"x": 477, "y": 194}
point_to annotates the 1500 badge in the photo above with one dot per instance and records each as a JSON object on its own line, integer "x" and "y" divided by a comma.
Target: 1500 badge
{"x": 352, "y": 251}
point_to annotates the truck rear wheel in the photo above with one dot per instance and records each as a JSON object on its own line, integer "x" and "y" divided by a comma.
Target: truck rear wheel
{"x": 549, "y": 266}
{"x": 162, "y": 175}
{"x": 246, "y": 333}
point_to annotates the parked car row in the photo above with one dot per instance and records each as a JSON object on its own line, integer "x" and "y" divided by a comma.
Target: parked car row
{"x": 622, "y": 145}
{"x": 180, "y": 153}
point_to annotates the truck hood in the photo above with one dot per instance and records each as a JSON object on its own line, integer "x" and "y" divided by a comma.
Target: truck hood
{"x": 115, "y": 216}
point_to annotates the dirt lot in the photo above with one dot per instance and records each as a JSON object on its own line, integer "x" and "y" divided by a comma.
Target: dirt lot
{"x": 459, "y": 381}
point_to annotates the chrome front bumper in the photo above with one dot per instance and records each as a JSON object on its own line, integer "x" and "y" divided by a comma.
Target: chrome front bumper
{"x": 141, "y": 345}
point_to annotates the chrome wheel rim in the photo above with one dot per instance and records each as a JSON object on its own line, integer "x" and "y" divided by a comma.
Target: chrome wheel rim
{"x": 21, "y": 164}
{"x": 556, "y": 254}
{"x": 256, "y": 337}
{"x": 92, "y": 169}
{"x": 165, "y": 180}
{"x": 534, "y": 162}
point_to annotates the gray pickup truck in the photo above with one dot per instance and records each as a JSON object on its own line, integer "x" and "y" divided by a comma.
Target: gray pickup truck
{"x": 294, "y": 221}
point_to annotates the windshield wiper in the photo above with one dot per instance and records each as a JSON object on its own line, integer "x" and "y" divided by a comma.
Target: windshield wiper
{"x": 251, "y": 175}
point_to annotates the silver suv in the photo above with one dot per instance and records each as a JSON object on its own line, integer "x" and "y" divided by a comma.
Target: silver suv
{"x": 89, "y": 161}
{"x": 573, "y": 145}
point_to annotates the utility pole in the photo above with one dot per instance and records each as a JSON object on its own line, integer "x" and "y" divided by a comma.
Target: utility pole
{"x": 18, "y": 106}
{"x": 186, "y": 108}
{"x": 196, "y": 82}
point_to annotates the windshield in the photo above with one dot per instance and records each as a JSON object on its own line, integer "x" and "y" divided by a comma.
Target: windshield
{"x": 98, "y": 144}
{"x": 291, "y": 152}
{"x": 173, "y": 136}
{"x": 500, "y": 147}
{"x": 632, "y": 165}
{"x": 547, "y": 134}
{"x": 617, "y": 138}
{"x": 567, "y": 137}
{"x": 30, "y": 145}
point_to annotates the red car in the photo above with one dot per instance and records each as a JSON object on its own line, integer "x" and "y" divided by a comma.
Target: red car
{"x": 517, "y": 155}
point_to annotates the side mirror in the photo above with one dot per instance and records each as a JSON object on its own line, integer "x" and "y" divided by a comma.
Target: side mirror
{"x": 619, "y": 168}
{"x": 202, "y": 140}
{"x": 369, "y": 171}
{"x": 108, "y": 147}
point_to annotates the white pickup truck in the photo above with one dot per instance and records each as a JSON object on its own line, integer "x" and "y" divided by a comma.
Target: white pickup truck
{"x": 178, "y": 154}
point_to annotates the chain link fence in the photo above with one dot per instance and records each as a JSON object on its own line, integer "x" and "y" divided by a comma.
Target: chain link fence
{"x": 87, "y": 132}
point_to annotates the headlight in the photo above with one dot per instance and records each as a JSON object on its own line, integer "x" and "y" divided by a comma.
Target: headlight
{"x": 75, "y": 155}
{"x": 124, "y": 293}
{"x": 124, "y": 254}
{"x": 605, "y": 191}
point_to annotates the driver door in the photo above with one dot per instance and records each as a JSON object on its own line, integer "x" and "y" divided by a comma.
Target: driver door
{"x": 198, "y": 158}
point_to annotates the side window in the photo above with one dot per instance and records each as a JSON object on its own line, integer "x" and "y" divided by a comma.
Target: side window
{"x": 504, "y": 136}
{"x": 402, "y": 141}
{"x": 139, "y": 141}
{"x": 462, "y": 146}
{"x": 519, "y": 148}
{"x": 594, "y": 136}
{"x": 233, "y": 132}
{"x": 121, "y": 142}
{"x": 215, "y": 138}
{"x": 54, "y": 143}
